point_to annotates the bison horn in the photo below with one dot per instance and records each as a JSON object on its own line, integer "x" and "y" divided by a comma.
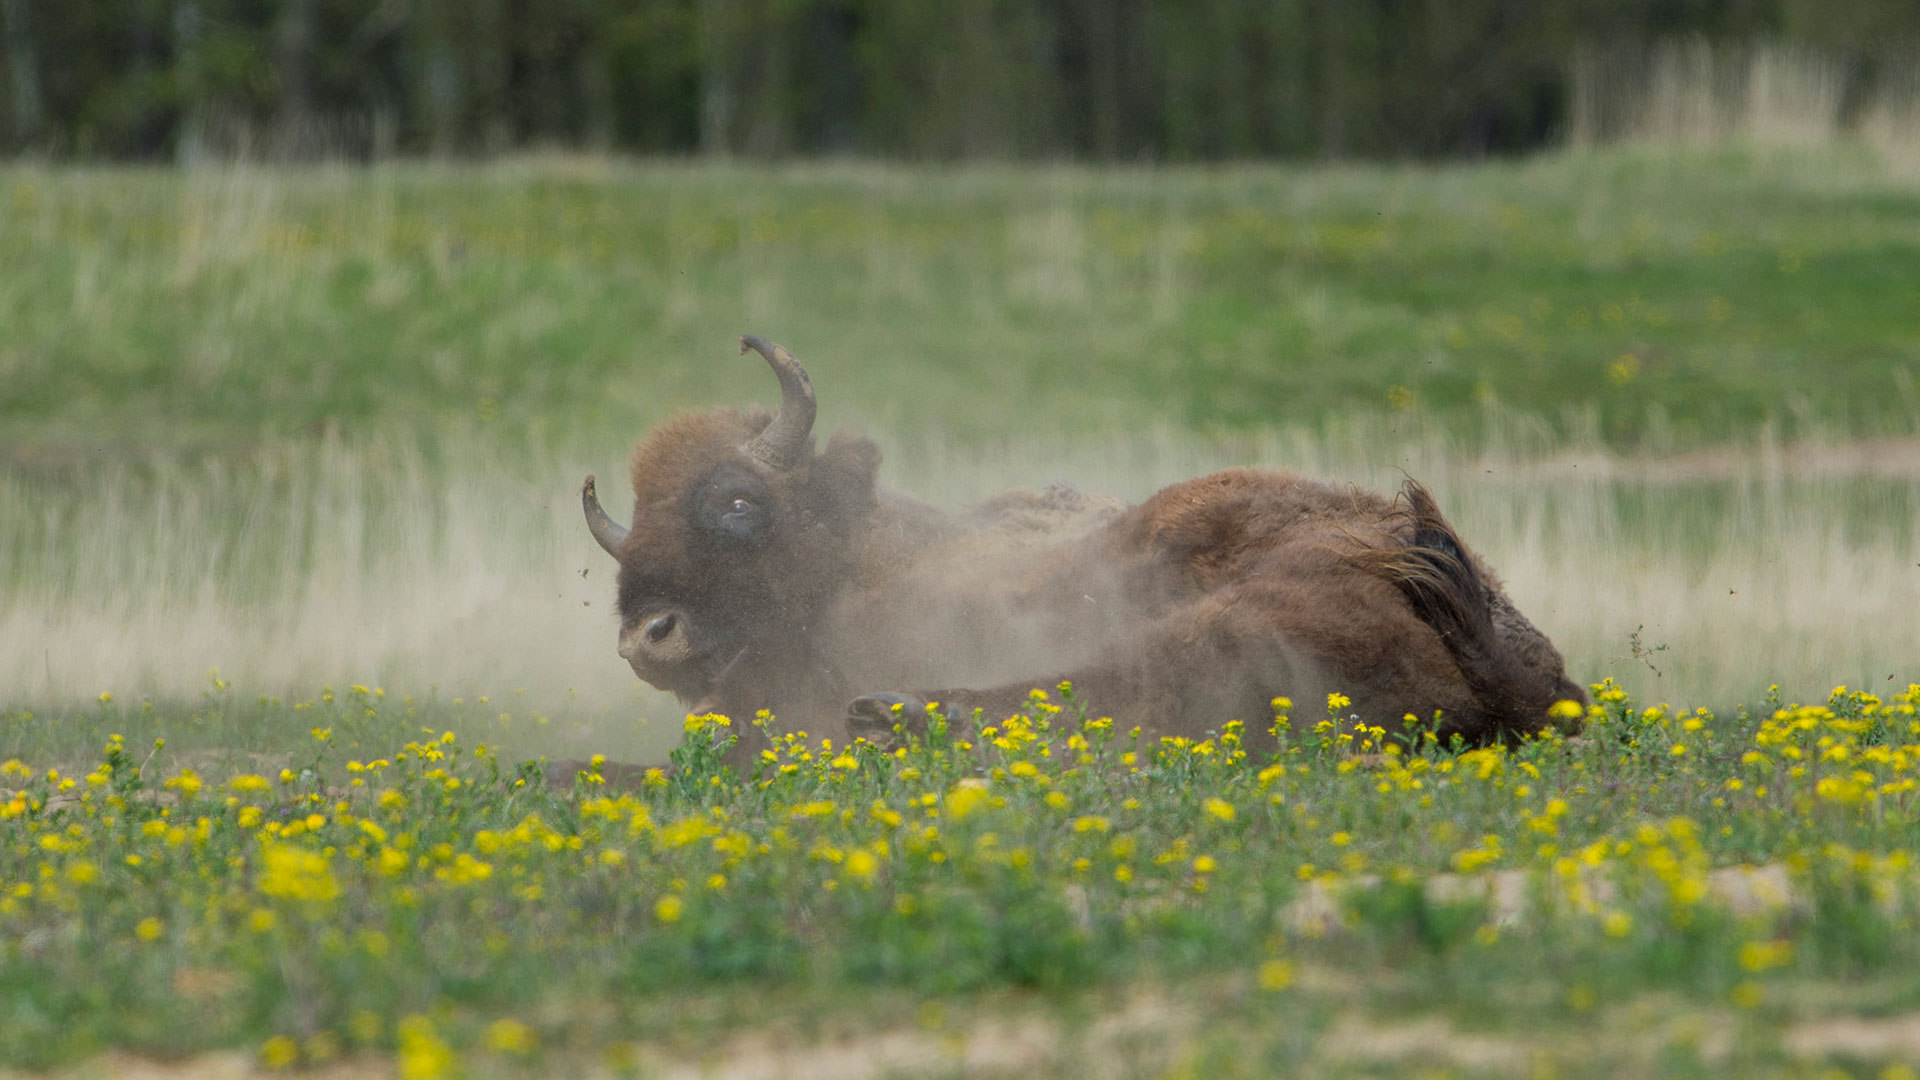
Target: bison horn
{"x": 785, "y": 439}
{"x": 603, "y": 528}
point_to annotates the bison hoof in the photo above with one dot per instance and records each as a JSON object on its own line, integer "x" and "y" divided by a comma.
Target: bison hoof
{"x": 564, "y": 775}
{"x": 875, "y": 716}
{"x": 560, "y": 775}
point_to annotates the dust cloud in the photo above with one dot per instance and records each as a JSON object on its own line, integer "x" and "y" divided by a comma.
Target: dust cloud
{"x": 449, "y": 573}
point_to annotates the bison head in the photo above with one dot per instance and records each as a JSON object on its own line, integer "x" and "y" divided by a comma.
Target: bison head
{"x": 741, "y": 533}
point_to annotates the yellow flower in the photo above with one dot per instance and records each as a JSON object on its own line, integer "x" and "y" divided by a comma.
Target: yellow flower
{"x": 364, "y": 1026}
{"x": 1757, "y": 956}
{"x": 669, "y": 907}
{"x": 509, "y": 1036}
{"x": 295, "y": 873}
{"x": 279, "y": 1052}
{"x": 423, "y": 1054}
{"x": 966, "y": 796}
{"x": 1276, "y": 975}
{"x": 861, "y": 864}
{"x": 1219, "y": 808}
{"x": 149, "y": 929}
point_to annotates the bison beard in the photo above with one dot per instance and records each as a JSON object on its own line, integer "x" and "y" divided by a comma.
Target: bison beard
{"x": 762, "y": 573}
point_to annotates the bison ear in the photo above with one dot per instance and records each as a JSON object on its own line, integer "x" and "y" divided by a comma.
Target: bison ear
{"x": 845, "y": 474}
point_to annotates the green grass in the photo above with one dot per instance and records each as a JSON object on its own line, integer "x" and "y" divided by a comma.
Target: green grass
{"x": 375, "y": 886}
{"x": 150, "y": 309}
{"x": 326, "y": 427}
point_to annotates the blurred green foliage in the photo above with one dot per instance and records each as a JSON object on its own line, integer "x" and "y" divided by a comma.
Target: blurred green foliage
{"x": 1099, "y": 79}
{"x": 1645, "y": 299}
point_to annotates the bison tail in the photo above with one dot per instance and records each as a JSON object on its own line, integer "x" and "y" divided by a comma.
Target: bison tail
{"x": 1448, "y": 591}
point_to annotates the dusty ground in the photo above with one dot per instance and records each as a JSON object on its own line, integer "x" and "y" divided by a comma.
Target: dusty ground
{"x": 1151, "y": 1034}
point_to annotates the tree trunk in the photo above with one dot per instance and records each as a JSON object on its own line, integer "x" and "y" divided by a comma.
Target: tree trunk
{"x": 190, "y": 142}
{"x": 438, "y": 85}
{"x": 716, "y": 82}
{"x": 26, "y": 76}
{"x": 597, "y": 94}
{"x": 297, "y": 135}
{"x": 490, "y": 64}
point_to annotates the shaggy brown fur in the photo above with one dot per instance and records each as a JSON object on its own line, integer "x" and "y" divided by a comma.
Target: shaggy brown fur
{"x": 747, "y": 586}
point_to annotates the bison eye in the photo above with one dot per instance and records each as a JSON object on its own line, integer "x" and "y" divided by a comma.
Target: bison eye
{"x": 738, "y": 516}
{"x": 732, "y": 504}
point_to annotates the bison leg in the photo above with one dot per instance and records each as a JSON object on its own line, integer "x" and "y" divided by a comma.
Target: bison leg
{"x": 1215, "y": 661}
{"x": 1227, "y": 656}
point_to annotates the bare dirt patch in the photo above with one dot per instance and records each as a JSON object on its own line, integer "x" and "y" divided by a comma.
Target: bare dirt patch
{"x": 1892, "y": 1037}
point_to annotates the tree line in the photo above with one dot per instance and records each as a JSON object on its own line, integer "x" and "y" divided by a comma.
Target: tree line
{"x": 1120, "y": 80}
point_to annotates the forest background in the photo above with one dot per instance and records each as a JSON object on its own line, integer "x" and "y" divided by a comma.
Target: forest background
{"x": 1101, "y": 80}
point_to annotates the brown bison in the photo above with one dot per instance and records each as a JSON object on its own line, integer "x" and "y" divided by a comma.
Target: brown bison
{"x": 762, "y": 572}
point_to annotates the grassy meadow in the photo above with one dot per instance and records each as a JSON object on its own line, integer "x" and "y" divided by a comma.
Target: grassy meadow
{"x": 1640, "y": 298}
{"x": 292, "y": 581}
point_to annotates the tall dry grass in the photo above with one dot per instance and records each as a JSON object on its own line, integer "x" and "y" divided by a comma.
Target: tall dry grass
{"x": 1694, "y": 91}
{"x": 286, "y": 570}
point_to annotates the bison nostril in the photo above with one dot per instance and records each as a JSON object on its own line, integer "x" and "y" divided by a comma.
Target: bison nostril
{"x": 660, "y": 628}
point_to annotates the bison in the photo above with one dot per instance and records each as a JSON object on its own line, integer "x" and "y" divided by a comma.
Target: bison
{"x": 763, "y": 572}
